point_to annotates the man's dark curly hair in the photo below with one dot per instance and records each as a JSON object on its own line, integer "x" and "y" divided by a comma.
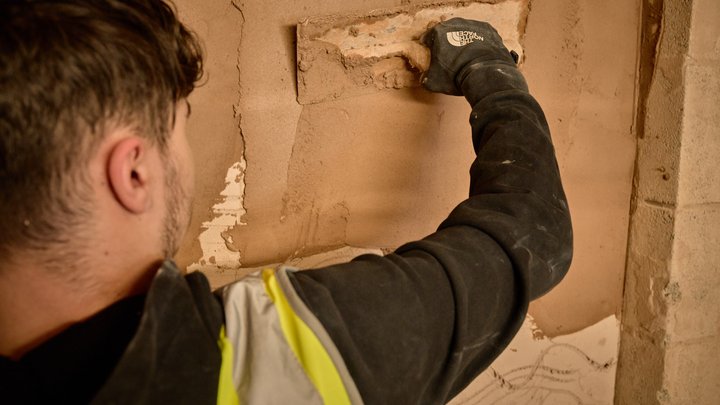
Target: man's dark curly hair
{"x": 70, "y": 70}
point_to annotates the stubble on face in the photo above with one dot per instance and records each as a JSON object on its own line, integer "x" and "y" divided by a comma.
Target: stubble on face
{"x": 178, "y": 182}
{"x": 177, "y": 209}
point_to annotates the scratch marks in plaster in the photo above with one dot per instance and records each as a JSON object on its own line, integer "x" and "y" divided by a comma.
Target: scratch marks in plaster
{"x": 287, "y": 202}
{"x": 217, "y": 245}
{"x": 321, "y": 228}
{"x": 314, "y": 206}
{"x": 572, "y": 369}
{"x": 519, "y": 379}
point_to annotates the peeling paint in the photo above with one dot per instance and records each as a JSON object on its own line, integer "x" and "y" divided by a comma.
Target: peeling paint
{"x": 219, "y": 251}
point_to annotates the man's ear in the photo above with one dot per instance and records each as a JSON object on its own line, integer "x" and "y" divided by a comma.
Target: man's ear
{"x": 128, "y": 173}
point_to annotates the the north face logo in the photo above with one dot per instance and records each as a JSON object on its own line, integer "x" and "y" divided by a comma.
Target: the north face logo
{"x": 462, "y": 38}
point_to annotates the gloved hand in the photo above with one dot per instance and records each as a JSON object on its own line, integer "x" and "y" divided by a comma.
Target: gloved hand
{"x": 455, "y": 46}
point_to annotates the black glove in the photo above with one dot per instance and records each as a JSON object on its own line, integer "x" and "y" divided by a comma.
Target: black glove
{"x": 457, "y": 46}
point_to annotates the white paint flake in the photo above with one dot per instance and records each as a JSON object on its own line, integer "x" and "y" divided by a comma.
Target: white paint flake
{"x": 217, "y": 246}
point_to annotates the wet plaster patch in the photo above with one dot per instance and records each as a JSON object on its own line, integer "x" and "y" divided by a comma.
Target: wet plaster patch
{"x": 342, "y": 56}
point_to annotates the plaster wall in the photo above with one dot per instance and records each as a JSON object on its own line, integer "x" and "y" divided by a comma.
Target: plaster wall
{"x": 385, "y": 168}
{"x": 278, "y": 181}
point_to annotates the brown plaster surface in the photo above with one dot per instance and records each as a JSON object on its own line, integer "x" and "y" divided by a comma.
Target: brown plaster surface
{"x": 385, "y": 168}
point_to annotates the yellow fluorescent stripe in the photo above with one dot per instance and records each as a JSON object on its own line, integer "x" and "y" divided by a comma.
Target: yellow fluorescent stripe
{"x": 226, "y": 389}
{"x": 306, "y": 346}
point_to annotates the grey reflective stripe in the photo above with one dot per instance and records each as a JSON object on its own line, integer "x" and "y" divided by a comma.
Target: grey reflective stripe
{"x": 265, "y": 370}
{"x": 314, "y": 324}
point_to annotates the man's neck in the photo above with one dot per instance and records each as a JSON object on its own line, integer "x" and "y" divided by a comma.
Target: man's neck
{"x": 36, "y": 305}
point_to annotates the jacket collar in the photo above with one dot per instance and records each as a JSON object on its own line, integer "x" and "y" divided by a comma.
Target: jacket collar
{"x": 174, "y": 355}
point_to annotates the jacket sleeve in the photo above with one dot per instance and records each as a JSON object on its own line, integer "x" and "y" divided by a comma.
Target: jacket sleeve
{"x": 418, "y": 325}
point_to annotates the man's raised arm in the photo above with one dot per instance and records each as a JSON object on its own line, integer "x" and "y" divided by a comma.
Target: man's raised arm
{"x": 418, "y": 325}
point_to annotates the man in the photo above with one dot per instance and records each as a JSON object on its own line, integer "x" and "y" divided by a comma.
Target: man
{"x": 96, "y": 184}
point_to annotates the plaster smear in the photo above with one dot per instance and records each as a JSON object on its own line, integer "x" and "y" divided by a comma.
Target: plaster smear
{"x": 219, "y": 252}
{"x": 351, "y": 55}
{"x": 576, "y": 369}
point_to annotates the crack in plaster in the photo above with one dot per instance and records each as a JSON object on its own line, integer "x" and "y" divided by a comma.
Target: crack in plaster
{"x": 238, "y": 6}
{"x": 231, "y": 211}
